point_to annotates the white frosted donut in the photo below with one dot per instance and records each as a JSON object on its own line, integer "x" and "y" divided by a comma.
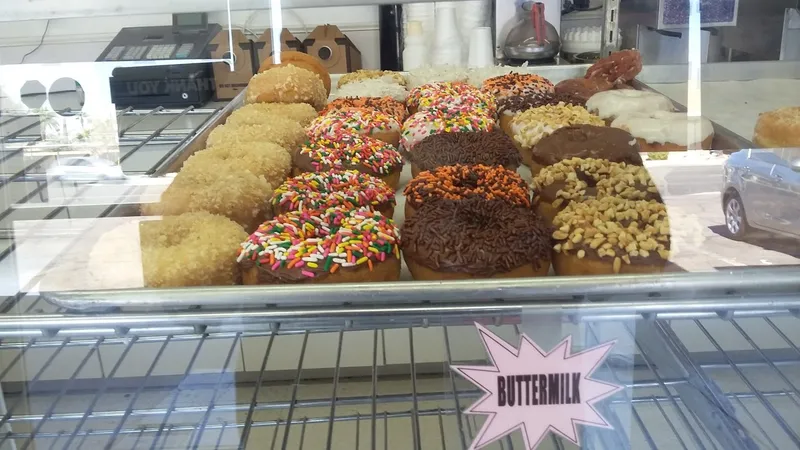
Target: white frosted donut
{"x": 662, "y": 127}
{"x": 611, "y": 104}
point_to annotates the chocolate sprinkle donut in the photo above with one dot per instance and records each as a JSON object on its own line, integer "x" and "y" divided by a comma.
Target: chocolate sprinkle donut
{"x": 476, "y": 236}
{"x": 519, "y": 103}
{"x": 587, "y": 141}
{"x": 492, "y": 148}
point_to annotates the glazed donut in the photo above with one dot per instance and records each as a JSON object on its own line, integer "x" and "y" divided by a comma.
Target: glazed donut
{"x": 575, "y": 179}
{"x": 262, "y": 159}
{"x": 427, "y": 96}
{"x": 303, "y": 61}
{"x": 351, "y": 151}
{"x": 460, "y": 182}
{"x": 357, "y": 121}
{"x": 334, "y": 188}
{"x": 609, "y": 105}
{"x": 373, "y": 87}
{"x": 611, "y": 235}
{"x": 261, "y": 113}
{"x": 585, "y": 141}
{"x": 491, "y": 148}
{"x": 367, "y": 74}
{"x": 514, "y": 84}
{"x": 475, "y": 238}
{"x": 386, "y": 105}
{"x": 427, "y": 123}
{"x": 662, "y": 131}
{"x": 509, "y": 107}
{"x": 583, "y": 88}
{"x": 192, "y": 249}
{"x": 778, "y": 129}
{"x": 284, "y": 132}
{"x": 332, "y": 246}
{"x": 286, "y": 84}
{"x": 532, "y": 125}
{"x": 617, "y": 68}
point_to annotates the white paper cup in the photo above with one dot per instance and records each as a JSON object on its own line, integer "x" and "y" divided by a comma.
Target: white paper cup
{"x": 481, "y": 52}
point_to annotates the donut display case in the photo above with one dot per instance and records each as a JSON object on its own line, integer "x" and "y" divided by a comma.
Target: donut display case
{"x": 338, "y": 261}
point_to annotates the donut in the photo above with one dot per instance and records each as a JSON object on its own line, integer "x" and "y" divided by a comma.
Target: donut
{"x": 437, "y": 74}
{"x": 617, "y": 68}
{"x": 192, "y": 249}
{"x": 428, "y": 123}
{"x": 475, "y": 238}
{"x": 357, "y": 121}
{"x": 334, "y": 188}
{"x": 386, "y": 105}
{"x": 509, "y": 107}
{"x": 374, "y": 87}
{"x": 427, "y": 96}
{"x": 575, "y": 179}
{"x": 286, "y": 84}
{"x": 778, "y": 129}
{"x": 477, "y": 75}
{"x": 460, "y": 182}
{"x": 367, "y": 74}
{"x": 303, "y": 61}
{"x": 351, "y": 151}
{"x": 260, "y": 113}
{"x": 285, "y": 132}
{"x": 332, "y": 246}
{"x": 583, "y": 88}
{"x": 224, "y": 189}
{"x": 611, "y": 235}
{"x": 514, "y": 84}
{"x": 490, "y": 148}
{"x": 585, "y": 141}
{"x": 530, "y": 126}
{"x": 609, "y": 105}
{"x": 262, "y": 159}
{"x": 662, "y": 131}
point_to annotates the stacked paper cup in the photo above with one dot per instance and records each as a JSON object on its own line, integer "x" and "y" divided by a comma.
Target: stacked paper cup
{"x": 447, "y": 40}
{"x": 472, "y": 14}
{"x": 481, "y": 50}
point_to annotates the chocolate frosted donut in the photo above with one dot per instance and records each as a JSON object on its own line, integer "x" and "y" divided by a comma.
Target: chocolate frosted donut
{"x": 583, "y": 88}
{"x": 475, "y": 238}
{"x": 491, "y": 148}
{"x": 586, "y": 141}
{"x": 508, "y": 107}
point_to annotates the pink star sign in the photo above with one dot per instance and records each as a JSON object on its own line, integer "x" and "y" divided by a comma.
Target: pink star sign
{"x": 537, "y": 391}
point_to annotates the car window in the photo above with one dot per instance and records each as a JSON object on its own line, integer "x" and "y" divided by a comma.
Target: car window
{"x": 769, "y": 158}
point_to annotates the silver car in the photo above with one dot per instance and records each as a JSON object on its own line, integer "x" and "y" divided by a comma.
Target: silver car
{"x": 761, "y": 190}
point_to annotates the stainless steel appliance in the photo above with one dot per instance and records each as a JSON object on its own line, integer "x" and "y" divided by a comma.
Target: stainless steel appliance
{"x": 532, "y": 37}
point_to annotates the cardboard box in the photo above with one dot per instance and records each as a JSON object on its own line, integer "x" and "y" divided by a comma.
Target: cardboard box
{"x": 230, "y": 83}
{"x": 335, "y": 50}
{"x": 263, "y": 47}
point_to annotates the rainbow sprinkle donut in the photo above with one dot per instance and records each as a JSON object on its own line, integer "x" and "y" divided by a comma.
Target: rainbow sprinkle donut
{"x": 356, "y": 121}
{"x": 336, "y": 245}
{"x": 427, "y": 123}
{"x": 334, "y": 188}
{"x": 426, "y": 95}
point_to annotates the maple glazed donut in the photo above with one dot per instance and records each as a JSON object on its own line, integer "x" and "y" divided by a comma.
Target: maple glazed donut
{"x": 386, "y": 105}
{"x": 663, "y": 131}
{"x": 351, "y": 152}
{"x": 611, "y": 235}
{"x": 576, "y": 179}
{"x": 490, "y": 148}
{"x": 510, "y": 107}
{"x": 609, "y": 105}
{"x": 358, "y": 121}
{"x": 617, "y": 68}
{"x": 428, "y": 123}
{"x": 514, "y": 84}
{"x": 337, "y": 245}
{"x": 461, "y": 182}
{"x": 585, "y": 141}
{"x": 475, "y": 238}
{"x": 334, "y": 188}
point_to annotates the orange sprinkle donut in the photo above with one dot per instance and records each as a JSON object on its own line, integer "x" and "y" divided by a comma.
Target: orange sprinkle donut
{"x": 517, "y": 84}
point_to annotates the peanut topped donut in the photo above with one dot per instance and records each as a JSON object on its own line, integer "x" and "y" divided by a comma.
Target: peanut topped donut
{"x": 351, "y": 151}
{"x": 491, "y": 148}
{"x": 332, "y": 246}
{"x": 386, "y": 105}
{"x": 509, "y": 107}
{"x": 334, "y": 188}
{"x": 357, "y": 121}
{"x": 460, "y": 182}
{"x": 428, "y": 123}
{"x": 611, "y": 235}
{"x": 585, "y": 141}
{"x": 475, "y": 238}
{"x": 517, "y": 84}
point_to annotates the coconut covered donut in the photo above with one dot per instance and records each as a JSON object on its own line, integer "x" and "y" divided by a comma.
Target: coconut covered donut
{"x": 428, "y": 123}
{"x": 285, "y": 132}
{"x": 475, "y": 238}
{"x": 332, "y": 246}
{"x": 351, "y": 152}
{"x": 438, "y": 74}
{"x": 575, "y": 179}
{"x": 611, "y": 235}
{"x": 372, "y": 87}
{"x": 192, "y": 249}
{"x": 386, "y": 105}
{"x": 367, "y": 74}
{"x": 663, "y": 131}
{"x": 287, "y": 84}
{"x": 513, "y": 84}
{"x": 609, "y": 105}
{"x": 334, "y": 188}
{"x": 263, "y": 159}
{"x": 462, "y": 182}
{"x": 490, "y": 148}
{"x": 510, "y": 107}
{"x": 261, "y": 113}
{"x": 532, "y": 125}
{"x": 357, "y": 121}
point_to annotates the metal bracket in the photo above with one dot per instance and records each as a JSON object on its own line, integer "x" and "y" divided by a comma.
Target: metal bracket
{"x": 610, "y": 38}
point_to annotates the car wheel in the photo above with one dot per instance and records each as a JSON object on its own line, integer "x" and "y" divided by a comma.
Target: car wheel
{"x": 735, "y": 217}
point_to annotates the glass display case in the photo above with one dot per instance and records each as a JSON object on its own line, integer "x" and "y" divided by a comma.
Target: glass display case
{"x": 133, "y": 318}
